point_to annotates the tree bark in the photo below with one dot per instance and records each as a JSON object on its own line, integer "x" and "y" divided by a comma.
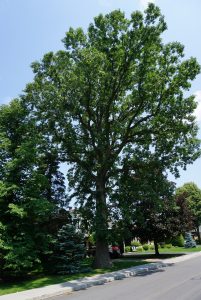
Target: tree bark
{"x": 156, "y": 248}
{"x": 102, "y": 258}
{"x": 198, "y": 235}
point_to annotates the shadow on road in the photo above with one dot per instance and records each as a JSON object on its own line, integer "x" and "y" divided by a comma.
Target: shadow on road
{"x": 143, "y": 274}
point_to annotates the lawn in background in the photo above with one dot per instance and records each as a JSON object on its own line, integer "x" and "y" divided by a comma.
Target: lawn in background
{"x": 163, "y": 252}
{"x": 180, "y": 249}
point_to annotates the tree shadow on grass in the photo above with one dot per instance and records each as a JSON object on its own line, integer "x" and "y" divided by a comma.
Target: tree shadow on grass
{"x": 42, "y": 280}
{"x": 151, "y": 256}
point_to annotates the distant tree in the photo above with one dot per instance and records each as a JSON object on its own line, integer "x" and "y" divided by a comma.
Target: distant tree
{"x": 153, "y": 217}
{"x": 192, "y": 194}
{"x": 147, "y": 202}
{"x": 185, "y": 215}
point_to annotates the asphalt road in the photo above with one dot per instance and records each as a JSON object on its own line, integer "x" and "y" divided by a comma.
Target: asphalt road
{"x": 181, "y": 281}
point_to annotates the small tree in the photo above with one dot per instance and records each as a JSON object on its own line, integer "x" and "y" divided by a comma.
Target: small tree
{"x": 69, "y": 251}
{"x": 189, "y": 243}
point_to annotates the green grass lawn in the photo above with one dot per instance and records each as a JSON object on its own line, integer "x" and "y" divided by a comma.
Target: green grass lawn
{"x": 164, "y": 253}
{"x": 131, "y": 260}
{"x": 180, "y": 249}
{"x": 7, "y": 288}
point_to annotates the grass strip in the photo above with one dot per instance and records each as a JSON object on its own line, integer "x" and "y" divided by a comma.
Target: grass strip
{"x": 7, "y": 288}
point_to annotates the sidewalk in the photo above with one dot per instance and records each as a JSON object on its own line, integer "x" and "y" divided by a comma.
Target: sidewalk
{"x": 86, "y": 282}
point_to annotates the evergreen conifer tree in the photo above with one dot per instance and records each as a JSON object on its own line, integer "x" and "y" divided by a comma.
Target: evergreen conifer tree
{"x": 189, "y": 243}
{"x": 69, "y": 250}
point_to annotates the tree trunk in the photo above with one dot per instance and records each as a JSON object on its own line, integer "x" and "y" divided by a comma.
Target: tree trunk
{"x": 198, "y": 235}
{"x": 102, "y": 258}
{"x": 156, "y": 248}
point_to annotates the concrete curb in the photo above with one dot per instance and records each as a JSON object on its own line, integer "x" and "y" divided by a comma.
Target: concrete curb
{"x": 86, "y": 282}
{"x": 82, "y": 284}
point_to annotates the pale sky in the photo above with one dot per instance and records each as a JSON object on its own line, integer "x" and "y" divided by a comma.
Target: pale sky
{"x": 31, "y": 28}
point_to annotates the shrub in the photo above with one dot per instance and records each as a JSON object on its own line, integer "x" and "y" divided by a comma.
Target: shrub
{"x": 168, "y": 246}
{"x": 145, "y": 247}
{"x": 162, "y": 245}
{"x": 18, "y": 258}
{"x": 151, "y": 247}
{"x": 127, "y": 248}
{"x": 178, "y": 241}
{"x": 135, "y": 243}
{"x": 139, "y": 249}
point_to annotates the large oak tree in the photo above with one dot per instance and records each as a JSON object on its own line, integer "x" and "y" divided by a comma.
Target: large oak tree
{"x": 115, "y": 86}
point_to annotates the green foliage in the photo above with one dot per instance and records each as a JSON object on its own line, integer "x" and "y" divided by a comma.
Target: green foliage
{"x": 16, "y": 210}
{"x": 192, "y": 194}
{"x": 92, "y": 239}
{"x": 28, "y": 194}
{"x": 178, "y": 241}
{"x": 112, "y": 105}
{"x": 145, "y": 247}
{"x": 189, "y": 242}
{"x": 147, "y": 201}
{"x": 151, "y": 246}
{"x": 127, "y": 248}
{"x": 139, "y": 249}
{"x": 112, "y": 94}
{"x": 69, "y": 251}
{"x": 135, "y": 243}
{"x": 21, "y": 257}
{"x": 168, "y": 246}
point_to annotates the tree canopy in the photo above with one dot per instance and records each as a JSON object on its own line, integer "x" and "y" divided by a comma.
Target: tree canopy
{"x": 192, "y": 194}
{"x": 116, "y": 93}
{"x": 114, "y": 90}
{"x": 31, "y": 192}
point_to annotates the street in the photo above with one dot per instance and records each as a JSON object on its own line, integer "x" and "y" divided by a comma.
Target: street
{"x": 181, "y": 281}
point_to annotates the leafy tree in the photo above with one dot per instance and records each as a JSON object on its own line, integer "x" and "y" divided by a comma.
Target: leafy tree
{"x": 192, "y": 194}
{"x": 25, "y": 208}
{"x": 114, "y": 87}
{"x": 185, "y": 215}
{"x": 147, "y": 203}
{"x": 22, "y": 207}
